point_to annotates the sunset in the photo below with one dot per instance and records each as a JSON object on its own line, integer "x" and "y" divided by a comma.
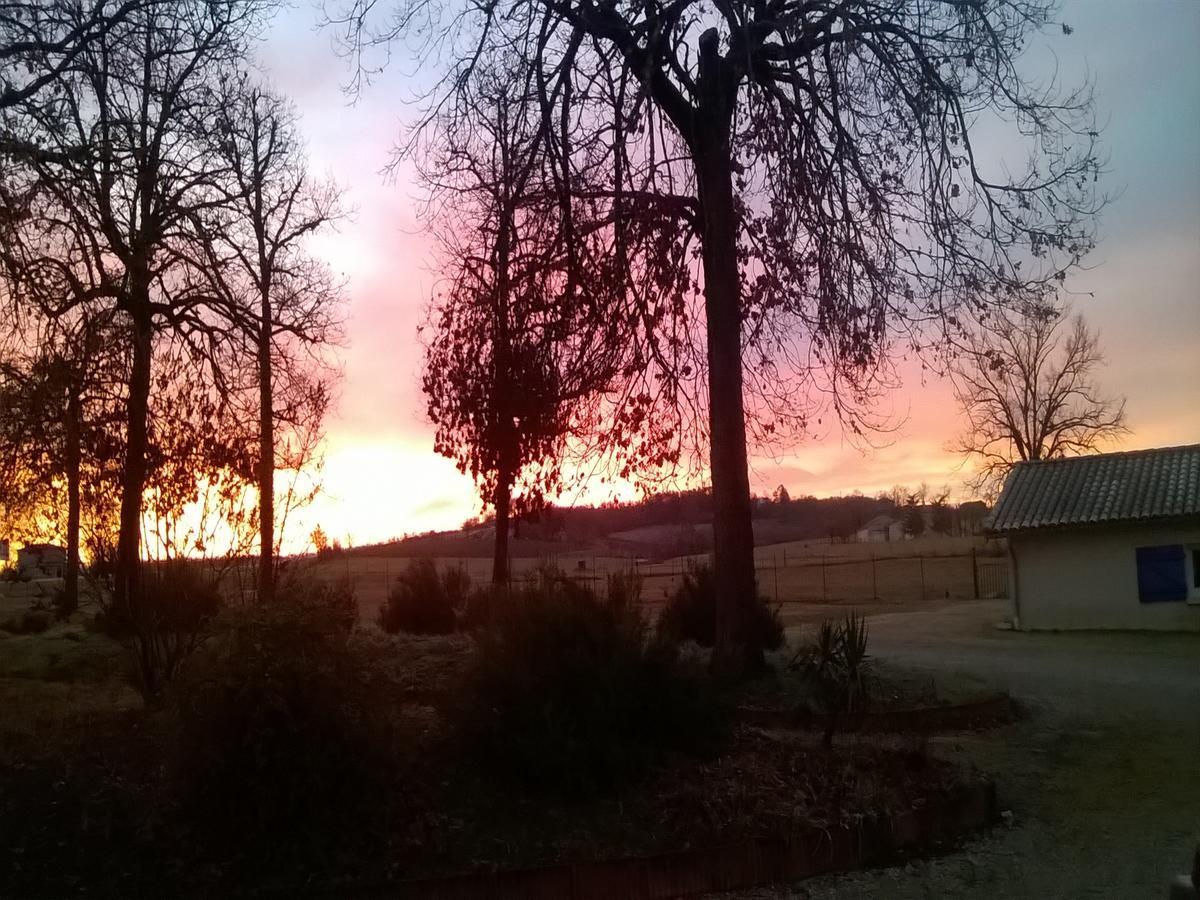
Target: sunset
{"x": 635, "y": 449}
{"x": 1138, "y": 288}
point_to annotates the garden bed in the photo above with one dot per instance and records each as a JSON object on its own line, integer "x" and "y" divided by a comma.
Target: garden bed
{"x": 97, "y": 781}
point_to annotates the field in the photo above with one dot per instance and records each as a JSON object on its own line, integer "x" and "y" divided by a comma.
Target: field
{"x": 809, "y": 580}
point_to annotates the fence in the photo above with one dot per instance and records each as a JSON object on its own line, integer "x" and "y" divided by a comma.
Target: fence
{"x": 883, "y": 579}
{"x": 783, "y": 578}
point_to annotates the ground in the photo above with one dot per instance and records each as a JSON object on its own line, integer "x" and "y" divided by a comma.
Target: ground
{"x": 1102, "y": 777}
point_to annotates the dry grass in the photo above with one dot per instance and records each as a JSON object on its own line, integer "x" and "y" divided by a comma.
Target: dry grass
{"x": 812, "y": 580}
{"x": 51, "y": 718}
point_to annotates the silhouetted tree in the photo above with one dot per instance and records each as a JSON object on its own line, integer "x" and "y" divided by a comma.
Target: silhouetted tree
{"x": 41, "y": 39}
{"x": 516, "y": 358}
{"x": 819, "y": 157}
{"x": 941, "y": 521}
{"x": 111, "y": 177}
{"x": 60, "y": 393}
{"x": 914, "y": 514}
{"x": 285, "y": 299}
{"x": 1026, "y": 385}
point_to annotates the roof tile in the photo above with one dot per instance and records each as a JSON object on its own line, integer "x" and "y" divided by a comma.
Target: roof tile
{"x": 1107, "y": 487}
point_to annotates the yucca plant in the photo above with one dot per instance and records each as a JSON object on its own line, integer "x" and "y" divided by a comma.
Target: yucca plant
{"x": 835, "y": 665}
{"x": 853, "y": 640}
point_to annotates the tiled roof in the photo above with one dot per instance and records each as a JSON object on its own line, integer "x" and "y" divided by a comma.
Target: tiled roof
{"x": 1108, "y": 487}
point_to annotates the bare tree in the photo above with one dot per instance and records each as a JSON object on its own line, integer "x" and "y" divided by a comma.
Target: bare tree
{"x": 41, "y": 39}
{"x": 821, "y": 156}
{"x": 285, "y": 299}
{"x": 111, "y": 176}
{"x": 1026, "y": 385}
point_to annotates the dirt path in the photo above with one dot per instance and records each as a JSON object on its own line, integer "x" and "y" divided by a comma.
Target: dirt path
{"x": 1103, "y": 777}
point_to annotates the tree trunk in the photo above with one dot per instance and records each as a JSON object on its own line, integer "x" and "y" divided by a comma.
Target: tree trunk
{"x": 266, "y": 459}
{"x": 502, "y": 379}
{"x": 133, "y": 483}
{"x": 73, "y": 455}
{"x": 502, "y": 503}
{"x": 733, "y": 535}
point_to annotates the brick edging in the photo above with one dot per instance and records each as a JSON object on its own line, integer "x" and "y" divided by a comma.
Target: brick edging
{"x": 807, "y": 852}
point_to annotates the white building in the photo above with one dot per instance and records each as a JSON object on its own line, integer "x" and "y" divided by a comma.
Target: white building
{"x": 41, "y": 561}
{"x": 1104, "y": 541}
{"x": 879, "y": 530}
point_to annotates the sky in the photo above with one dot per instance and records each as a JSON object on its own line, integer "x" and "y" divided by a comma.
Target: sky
{"x": 1141, "y": 288}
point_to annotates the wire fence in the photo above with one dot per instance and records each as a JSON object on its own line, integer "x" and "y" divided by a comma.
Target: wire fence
{"x": 783, "y": 579}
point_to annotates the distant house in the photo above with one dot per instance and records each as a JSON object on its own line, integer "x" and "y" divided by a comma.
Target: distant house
{"x": 880, "y": 529}
{"x": 1105, "y": 541}
{"x": 970, "y": 516}
{"x": 41, "y": 561}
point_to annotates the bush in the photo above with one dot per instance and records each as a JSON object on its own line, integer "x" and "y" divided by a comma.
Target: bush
{"x": 331, "y": 604}
{"x": 836, "y": 667}
{"x": 177, "y": 595}
{"x": 424, "y": 601}
{"x": 573, "y": 693}
{"x": 691, "y": 613}
{"x": 165, "y": 623}
{"x": 273, "y": 754}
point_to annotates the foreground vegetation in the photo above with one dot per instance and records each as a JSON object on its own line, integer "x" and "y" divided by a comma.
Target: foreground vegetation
{"x": 296, "y": 746}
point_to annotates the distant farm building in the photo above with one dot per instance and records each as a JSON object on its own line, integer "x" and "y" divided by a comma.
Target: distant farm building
{"x": 1105, "y": 541}
{"x": 881, "y": 529}
{"x": 41, "y": 561}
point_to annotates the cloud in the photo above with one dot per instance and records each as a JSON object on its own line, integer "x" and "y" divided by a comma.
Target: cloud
{"x": 383, "y": 478}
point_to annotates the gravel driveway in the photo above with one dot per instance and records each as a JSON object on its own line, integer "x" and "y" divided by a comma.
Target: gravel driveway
{"x": 1102, "y": 778}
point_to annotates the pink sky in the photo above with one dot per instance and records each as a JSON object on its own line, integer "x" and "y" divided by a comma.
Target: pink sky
{"x": 382, "y": 478}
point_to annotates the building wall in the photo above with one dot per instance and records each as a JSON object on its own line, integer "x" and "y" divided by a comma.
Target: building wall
{"x": 1087, "y": 578}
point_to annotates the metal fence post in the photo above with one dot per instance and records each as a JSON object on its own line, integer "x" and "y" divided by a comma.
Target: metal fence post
{"x": 974, "y": 575}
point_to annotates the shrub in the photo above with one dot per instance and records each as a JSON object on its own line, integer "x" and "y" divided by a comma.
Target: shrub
{"x": 425, "y": 601}
{"x": 273, "y": 753}
{"x": 478, "y": 610}
{"x": 573, "y": 693}
{"x": 332, "y": 604}
{"x": 165, "y": 623}
{"x": 691, "y": 613}
{"x": 836, "y": 667}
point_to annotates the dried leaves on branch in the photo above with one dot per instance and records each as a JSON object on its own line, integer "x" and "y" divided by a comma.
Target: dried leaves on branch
{"x": 519, "y": 354}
